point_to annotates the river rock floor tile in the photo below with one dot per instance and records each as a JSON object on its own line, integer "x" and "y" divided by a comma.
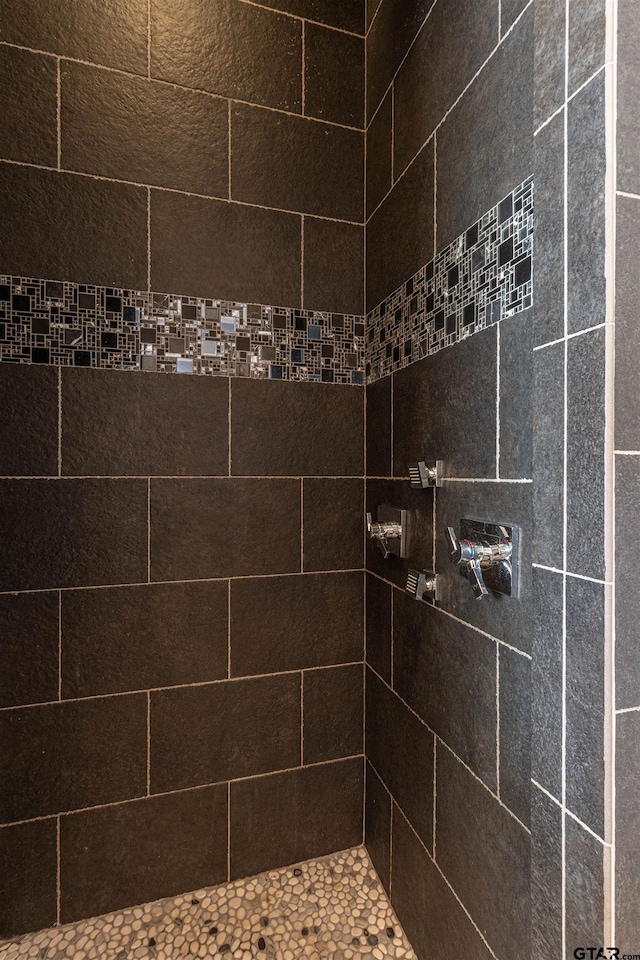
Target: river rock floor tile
{"x": 333, "y": 908}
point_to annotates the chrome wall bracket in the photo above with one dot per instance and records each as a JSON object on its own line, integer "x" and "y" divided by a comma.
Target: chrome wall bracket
{"x": 488, "y": 555}
{"x": 423, "y": 476}
{"x": 389, "y": 531}
{"x": 423, "y": 585}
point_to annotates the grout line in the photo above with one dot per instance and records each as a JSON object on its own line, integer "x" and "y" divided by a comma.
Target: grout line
{"x": 434, "y": 515}
{"x": 565, "y": 418}
{"x": 177, "y": 686}
{"x": 293, "y": 16}
{"x": 148, "y": 529}
{"x": 59, "y": 113}
{"x": 630, "y": 196}
{"x": 303, "y": 77}
{"x": 228, "y": 831}
{"x": 497, "y": 401}
{"x": 435, "y": 795}
{"x": 627, "y": 453}
{"x": 368, "y": 31}
{"x": 567, "y": 573}
{"x": 149, "y": 239}
{"x": 148, "y": 743}
{"x": 229, "y": 431}
{"x": 499, "y": 20}
{"x": 159, "y": 476}
{"x": 627, "y": 710}
{"x": 569, "y": 813}
{"x": 302, "y": 718}
{"x": 392, "y": 384}
{"x": 229, "y": 125}
{"x": 393, "y": 132}
{"x": 498, "y": 720}
{"x": 572, "y": 97}
{"x": 393, "y": 606}
{"x": 148, "y": 39}
{"x": 572, "y": 336}
{"x": 59, "y": 422}
{"x": 59, "y": 645}
{"x": 301, "y": 525}
{"x": 58, "y": 872}
{"x": 435, "y": 195}
{"x": 228, "y": 629}
{"x": 301, "y": 261}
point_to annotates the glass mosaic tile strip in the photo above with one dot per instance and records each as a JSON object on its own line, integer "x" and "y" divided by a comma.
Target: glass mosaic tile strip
{"x": 74, "y": 324}
{"x": 480, "y": 278}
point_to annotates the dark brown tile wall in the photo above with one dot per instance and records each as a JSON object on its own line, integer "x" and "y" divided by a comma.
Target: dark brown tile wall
{"x": 181, "y": 607}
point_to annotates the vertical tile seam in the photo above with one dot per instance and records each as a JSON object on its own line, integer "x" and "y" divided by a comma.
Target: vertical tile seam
{"x": 228, "y": 831}
{"x": 499, "y": 20}
{"x": 229, "y": 121}
{"x": 149, "y": 239}
{"x": 435, "y": 795}
{"x": 302, "y": 718}
{"x": 148, "y": 529}
{"x": 148, "y": 743}
{"x": 435, "y": 194}
{"x": 229, "y": 405}
{"x": 302, "y": 260}
{"x": 301, "y": 524}
{"x": 303, "y": 90}
{"x": 229, "y": 628}
{"x": 58, "y": 114}
{"x": 59, "y": 644}
{"x": 58, "y": 871}
{"x": 498, "y": 721}
{"x": 392, "y": 802}
{"x": 392, "y": 91}
{"x": 59, "y": 384}
{"x": 148, "y": 39}
{"x": 498, "y": 376}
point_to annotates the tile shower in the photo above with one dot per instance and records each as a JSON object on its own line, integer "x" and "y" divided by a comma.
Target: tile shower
{"x": 206, "y": 673}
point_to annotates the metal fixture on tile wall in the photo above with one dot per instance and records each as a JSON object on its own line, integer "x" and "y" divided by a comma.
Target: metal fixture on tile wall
{"x": 423, "y": 476}
{"x": 422, "y": 585}
{"x": 487, "y": 555}
{"x": 389, "y": 531}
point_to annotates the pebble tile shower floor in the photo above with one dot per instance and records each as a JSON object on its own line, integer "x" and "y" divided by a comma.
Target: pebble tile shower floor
{"x": 333, "y": 907}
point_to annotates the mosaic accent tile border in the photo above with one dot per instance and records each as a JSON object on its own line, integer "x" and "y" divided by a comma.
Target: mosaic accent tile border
{"x": 73, "y": 324}
{"x": 480, "y": 278}
{"x": 334, "y": 907}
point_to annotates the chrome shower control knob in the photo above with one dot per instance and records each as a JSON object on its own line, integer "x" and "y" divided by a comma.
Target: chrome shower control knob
{"x": 484, "y": 555}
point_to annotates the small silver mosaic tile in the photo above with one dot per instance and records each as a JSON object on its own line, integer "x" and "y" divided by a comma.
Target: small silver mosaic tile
{"x": 73, "y": 324}
{"x": 480, "y": 278}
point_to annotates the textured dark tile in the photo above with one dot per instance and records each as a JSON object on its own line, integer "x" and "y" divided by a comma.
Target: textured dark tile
{"x": 320, "y": 436}
{"x": 627, "y": 428}
{"x": 586, "y": 207}
{"x": 549, "y": 59}
{"x": 377, "y": 825}
{"x": 515, "y": 733}
{"x": 134, "y": 424}
{"x": 333, "y": 528}
{"x": 585, "y": 453}
{"x": 628, "y": 66}
{"x": 406, "y": 215}
{"x": 454, "y": 42}
{"x": 548, "y": 455}
{"x": 510, "y": 10}
{"x": 224, "y": 731}
{"x": 516, "y": 389}
{"x": 546, "y": 876}
{"x": 134, "y": 638}
{"x": 426, "y": 906}
{"x": 346, "y": 15}
{"x": 546, "y": 681}
{"x": 401, "y": 749}
{"x": 433, "y": 656}
{"x": 261, "y": 532}
{"x": 495, "y": 888}
{"x": 379, "y": 159}
{"x": 585, "y": 707}
{"x": 29, "y": 125}
{"x": 113, "y": 34}
{"x": 378, "y": 607}
{"x": 391, "y": 35}
{"x": 233, "y": 49}
{"x": 419, "y": 507}
{"x": 322, "y": 616}
{"x": 27, "y": 877}
{"x": 507, "y": 618}
{"x": 296, "y": 164}
{"x": 372, "y": 7}
{"x": 61, "y": 756}
{"x": 485, "y": 146}
{"x": 104, "y": 226}
{"x": 29, "y": 648}
{"x": 89, "y": 532}
{"x": 378, "y": 428}
{"x": 137, "y": 852}
{"x": 548, "y": 276}
{"x": 333, "y": 713}
{"x": 586, "y": 213}
{"x": 587, "y": 40}
{"x": 289, "y": 817}
{"x": 627, "y": 828}
{"x": 29, "y": 423}
{"x": 333, "y": 266}
{"x": 584, "y": 897}
{"x": 627, "y": 600}
{"x": 130, "y": 129}
{"x": 207, "y": 248}
{"x": 433, "y": 385}
{"x": 333, "y": 75}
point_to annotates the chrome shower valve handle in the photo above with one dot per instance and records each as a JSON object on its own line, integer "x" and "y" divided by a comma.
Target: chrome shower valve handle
{"x": 479, "y": 557}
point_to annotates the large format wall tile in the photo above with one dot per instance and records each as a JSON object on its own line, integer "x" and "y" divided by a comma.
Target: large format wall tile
{"x": 333, "y": 266}
{"x": 260, "y": 533}
{"x": 208, "y": 248}
{"x": 136, "y": 852}
{"x": 68, "y": 755}
{"x": 516, "y": 392}
{"x": 113, "y": 34}
{"x": 378, "y": 639}
{"x": 28, "y": 430}
{"x": 190, "y": 746}
{"x": 332, "y": 713}
{"x": 627, "y": 827}
{"x": 117, "y": 424}
{"x": 515, "y": 732}
{"x": 29, "y": 129}
{"x": 321, "y": 434}
{"x": 377, "y": 825}
{"x": 346, "y": 15}
{"x": 134, "y": 638}
{"x": 627, "y": 601}
{"x": 333, "y": 524}
{"x": 495, "y": 888}
{"x": 548, "y": 455}
{"x": 391, "y": 35}
{"x": 333, "y": 75}
{"x": 378, "y": 428}
{"x": 321, "y": 615}
{"x": 104, "y": 226}
{"x": 547, "y": 681}
{"x": 296, "y": 164}
{"x": 288, "y": 817}
{"x": 378, "y": 174}
{"x": 548, "y": 276}
{"x": 73, "y": 533}
{"x": 28, "y": 873}
{"x": 401, "y": 749}
{"x": 628, "y": 139}
{"x": 584, "y": 883}
{"x": 587, "y": 40}
{"x": 546, "y": 876}
{"x": 130, "y": 129}
{"x": 29, "y": 648}
{"x": 549, "y": 59}
{"x": 229, "y": 48}
{"x": 627, "y": 427}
